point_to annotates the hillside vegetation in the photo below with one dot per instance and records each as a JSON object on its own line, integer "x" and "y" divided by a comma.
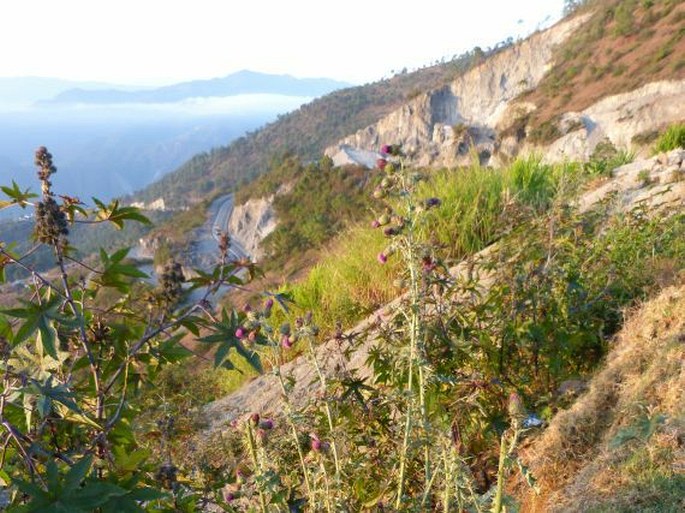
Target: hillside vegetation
{"x": 303, "y": 133}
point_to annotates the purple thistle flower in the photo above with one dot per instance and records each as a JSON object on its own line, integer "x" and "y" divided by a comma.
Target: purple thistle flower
{"x": 285, "y": 342}
{"x": 382, "y": 258}
{"x": 386, "y": 149}
{"x": 269, "y": 303}
{"x": 381, "y": 163}
{"x": 240, "y": 333}
{"x": 375, "y": 223}
{"x": 267, "y": 424}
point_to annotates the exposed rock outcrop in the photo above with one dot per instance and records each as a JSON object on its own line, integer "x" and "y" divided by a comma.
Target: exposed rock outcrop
{"x": 251, "y": 222}
{"x": 482, "y": 111}
{"x": 431, "y": 126}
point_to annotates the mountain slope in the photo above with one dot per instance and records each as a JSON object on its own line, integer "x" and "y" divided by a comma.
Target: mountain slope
{"x": 304, "y": 133}
{"x": 619, "y": 448}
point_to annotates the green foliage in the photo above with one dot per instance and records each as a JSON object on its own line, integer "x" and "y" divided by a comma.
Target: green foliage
{"x": 73, "y": 355}
{"x": 319, "y": 205}
{"x": 605, "y": 158}
{"x": 672, "y": 138}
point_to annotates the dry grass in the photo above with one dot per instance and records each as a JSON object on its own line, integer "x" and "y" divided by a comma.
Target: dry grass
{"x": 621, "y": 446}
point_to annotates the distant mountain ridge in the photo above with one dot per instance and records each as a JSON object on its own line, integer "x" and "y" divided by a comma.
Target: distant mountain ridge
{"x": 241, "y": 82}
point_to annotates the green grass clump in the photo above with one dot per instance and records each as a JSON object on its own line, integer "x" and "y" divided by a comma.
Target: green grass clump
{"x": 348, "y": 283}
{"x": 672, "y": 138}
{"x": 479, "y": 204}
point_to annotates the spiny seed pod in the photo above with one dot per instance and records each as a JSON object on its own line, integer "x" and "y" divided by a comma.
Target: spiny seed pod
{"x": 171, "y": 281}
{"x": 166, "y": 476}
{"x": 98, "y": 331}
{"x": 51, "y": 223}
{"x": 224, "y": 243}
{"x": 43, "y": 161}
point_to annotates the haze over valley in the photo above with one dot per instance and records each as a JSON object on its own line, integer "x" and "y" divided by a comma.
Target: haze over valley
{"x": 113, "y": 140}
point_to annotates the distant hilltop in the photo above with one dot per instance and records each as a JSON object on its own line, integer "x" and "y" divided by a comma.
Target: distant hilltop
{"x": 241, "y": 82}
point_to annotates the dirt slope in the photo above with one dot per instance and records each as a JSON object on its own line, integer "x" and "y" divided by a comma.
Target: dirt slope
{"x": 621, "y": 446}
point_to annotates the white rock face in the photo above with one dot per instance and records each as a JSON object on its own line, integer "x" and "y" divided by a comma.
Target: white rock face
{"x": 251, "y": 222}
{"x": 440, "y": 127}
{"x": 620, "y": 117}
{"x": 436, "y": 127}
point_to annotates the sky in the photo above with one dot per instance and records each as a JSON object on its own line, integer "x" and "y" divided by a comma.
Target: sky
{"x": 153, "y": 42}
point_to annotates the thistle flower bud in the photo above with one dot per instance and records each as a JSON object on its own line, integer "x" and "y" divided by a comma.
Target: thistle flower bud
{"x": 286, "y": 342}
{"x": 375, "y": 223}
{"x": 383, "y": 220}
{"x": 432, "y": 202}
{"x": 254, "y": 418}
{"x": 267, "y": 424}
{"x": 381, "y": 163}
{"x": 382, "y": 258}
{"x": 516, "y": 409}
{"x": 240, "y": 333}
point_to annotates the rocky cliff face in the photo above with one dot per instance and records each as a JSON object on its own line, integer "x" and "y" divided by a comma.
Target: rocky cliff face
{"x": 435, "y": 127}
{"x": 478, "y": 111}
{"x": 251, "y": 222}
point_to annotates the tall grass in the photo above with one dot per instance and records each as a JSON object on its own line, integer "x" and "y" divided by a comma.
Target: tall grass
{"x": 672, "y": 138}
{"x": 348, "y": 283}
{"x": 478, "y": 204}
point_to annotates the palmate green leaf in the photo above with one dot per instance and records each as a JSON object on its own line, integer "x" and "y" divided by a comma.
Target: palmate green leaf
{"x": 47, "y": 393}
{"x": 39, "y": 318}
{"x": 73, "y": 492}
{"x": 114, "y": 273}
{"x": 171, "y": 350}
{"x": 224, "y": 337}
{"x": 16, "y": 195}
{"x": 117, "y": 215}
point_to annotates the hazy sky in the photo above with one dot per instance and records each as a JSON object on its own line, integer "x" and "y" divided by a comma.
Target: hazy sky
{"x": 157, "y": 42}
